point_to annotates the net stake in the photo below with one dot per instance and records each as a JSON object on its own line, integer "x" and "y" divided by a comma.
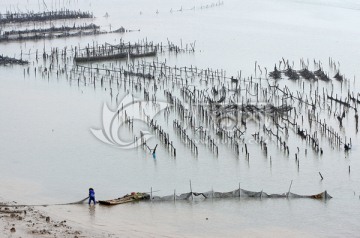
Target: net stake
{"x": 287, "y": 195}
{"x": 192, "y": 196}
{"x": 321, "y": 176}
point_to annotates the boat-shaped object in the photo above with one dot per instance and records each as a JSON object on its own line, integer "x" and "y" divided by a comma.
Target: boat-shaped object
{"x": 101, "y": 57}
{"x": 133, "y": 197}
{"x": 116, "y": 56}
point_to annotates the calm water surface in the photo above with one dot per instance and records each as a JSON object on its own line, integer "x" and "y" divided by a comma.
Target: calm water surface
{"x": 48, "y": 154}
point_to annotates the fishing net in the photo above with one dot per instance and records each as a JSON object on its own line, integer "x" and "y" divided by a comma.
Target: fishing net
{"x": 44, "y": 205}
{"x": 238, "y": 193}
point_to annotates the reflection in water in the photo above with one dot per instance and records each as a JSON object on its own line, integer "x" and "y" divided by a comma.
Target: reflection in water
{"x": 92, "y": 211}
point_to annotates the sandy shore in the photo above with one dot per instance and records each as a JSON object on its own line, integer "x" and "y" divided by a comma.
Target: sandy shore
{"x": 28, "y": 221}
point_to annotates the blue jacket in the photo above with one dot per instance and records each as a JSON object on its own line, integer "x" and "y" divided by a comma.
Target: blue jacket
{"x": 91, "y": 193}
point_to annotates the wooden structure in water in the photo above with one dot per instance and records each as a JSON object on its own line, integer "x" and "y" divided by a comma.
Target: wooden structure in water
{"x": 123, "y": 50}
{"x": 4, "y": 60}
{"x": 50, "y": 33}
{"x": 116, "y": 56}
{"x": 18, "y": 17}
{"x": 115, "y": 52}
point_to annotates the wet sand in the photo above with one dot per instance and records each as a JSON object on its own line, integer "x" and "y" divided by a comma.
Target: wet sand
{"x": 31, "y": 221}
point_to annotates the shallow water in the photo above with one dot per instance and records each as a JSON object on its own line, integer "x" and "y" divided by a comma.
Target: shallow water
{"x": 48, "y": 154}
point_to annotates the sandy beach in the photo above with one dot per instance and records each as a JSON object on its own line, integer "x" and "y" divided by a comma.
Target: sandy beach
{"x": 28, "y": 221}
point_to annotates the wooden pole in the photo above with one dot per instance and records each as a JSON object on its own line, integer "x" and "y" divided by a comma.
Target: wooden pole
{"x": 192, "y": 196}
{"x": 287, "y": 195}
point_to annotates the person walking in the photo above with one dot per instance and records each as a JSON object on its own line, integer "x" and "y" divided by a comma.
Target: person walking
{"x": 91, "y": 196}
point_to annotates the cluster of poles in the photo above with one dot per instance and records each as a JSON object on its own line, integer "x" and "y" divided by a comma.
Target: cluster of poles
{"x": 19, "y": 17}
{"x": 218, "y": 110}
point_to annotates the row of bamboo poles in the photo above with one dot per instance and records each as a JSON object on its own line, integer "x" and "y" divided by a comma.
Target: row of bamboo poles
{"x": 204, "y": 99}
{"x": 19, "y": 17}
